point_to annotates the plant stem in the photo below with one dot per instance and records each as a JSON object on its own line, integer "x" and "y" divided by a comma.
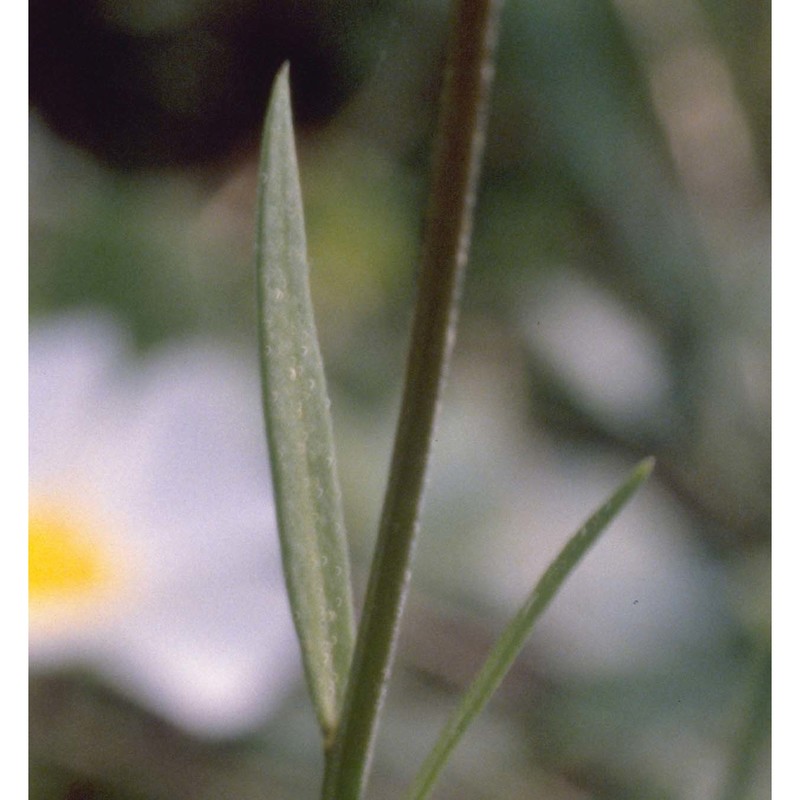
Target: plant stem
{"x": 461, "y": 133}
{"x": 750, "y": 742}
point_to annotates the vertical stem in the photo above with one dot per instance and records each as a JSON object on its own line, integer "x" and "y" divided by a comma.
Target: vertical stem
{"x": 460, "y": 138}
{"x": 750, "y": 742}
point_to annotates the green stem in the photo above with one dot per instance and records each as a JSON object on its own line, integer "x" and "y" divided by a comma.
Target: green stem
{"x": 755, "y": 729}
{"x": 459, "y": 148}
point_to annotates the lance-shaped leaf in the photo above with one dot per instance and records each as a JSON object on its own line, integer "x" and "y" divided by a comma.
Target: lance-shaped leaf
{"x": 510, "y": 643}
{"x": 299, "y": 431}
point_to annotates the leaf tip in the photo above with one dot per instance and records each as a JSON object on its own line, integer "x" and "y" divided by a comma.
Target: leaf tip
{"x": 644, "y": 469}
{"x": 281, "y": 91}
{"x": 282, "y": 74}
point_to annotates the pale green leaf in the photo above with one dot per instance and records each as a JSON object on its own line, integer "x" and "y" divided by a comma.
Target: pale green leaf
{"x": 299, "y": 431}
{"x": 510, "y": 643}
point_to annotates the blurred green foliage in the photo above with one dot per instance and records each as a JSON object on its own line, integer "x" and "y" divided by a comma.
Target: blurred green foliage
{"x": 609, "y": 161}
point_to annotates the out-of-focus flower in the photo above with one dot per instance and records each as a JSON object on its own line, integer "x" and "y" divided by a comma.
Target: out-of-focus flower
{"x": 608, "y": 359}
{"x": 643, "y": 597}
{"x": 153, "y": 550}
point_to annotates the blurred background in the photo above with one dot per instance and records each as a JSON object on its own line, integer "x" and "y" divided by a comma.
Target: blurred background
{"x": 617, "y": 304}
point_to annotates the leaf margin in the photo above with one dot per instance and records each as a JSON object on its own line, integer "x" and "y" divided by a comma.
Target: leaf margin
{"x": 298, "y": 422}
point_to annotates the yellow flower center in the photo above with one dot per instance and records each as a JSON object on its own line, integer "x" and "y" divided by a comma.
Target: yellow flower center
{"x": 72, "y": 564}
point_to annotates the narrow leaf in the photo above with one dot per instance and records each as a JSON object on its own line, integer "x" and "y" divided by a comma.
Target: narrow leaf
{"x": 513, "y": 637}
{"x": 299, "y": 430}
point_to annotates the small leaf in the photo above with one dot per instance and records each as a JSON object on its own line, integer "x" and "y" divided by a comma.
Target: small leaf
{"x": 510, "y": 643}
{"x": 299, "y": 430}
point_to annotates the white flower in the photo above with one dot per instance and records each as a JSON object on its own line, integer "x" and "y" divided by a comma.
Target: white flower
{"x": 608, "y": 359}
{"x": 154, "y": 556}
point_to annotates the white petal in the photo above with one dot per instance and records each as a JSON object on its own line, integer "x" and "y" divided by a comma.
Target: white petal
{"x": 71, "y": 361}
{"x": 216, "y": 660}
{"x": 608, "y": 358}
{"x": 198, "y": 439}
{"x": 172, "y": 452}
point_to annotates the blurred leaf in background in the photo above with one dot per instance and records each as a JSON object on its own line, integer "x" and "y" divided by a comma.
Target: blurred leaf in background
{"x": 617, "y": 304}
